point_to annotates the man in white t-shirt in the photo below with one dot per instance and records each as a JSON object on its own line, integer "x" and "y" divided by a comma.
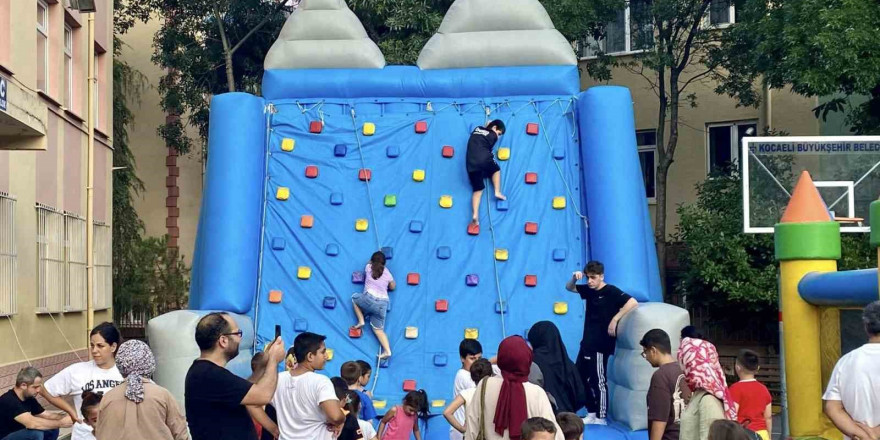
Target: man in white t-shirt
{"x": 306, "y": 402}
{"x": 852, "y": 400}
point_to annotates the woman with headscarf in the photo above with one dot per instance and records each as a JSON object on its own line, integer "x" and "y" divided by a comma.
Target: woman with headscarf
{"x": 501, "y": 404}
{"x": 711, "y": 399}
{"x": 138, "y": 409}
{"x": 561, "y": 379}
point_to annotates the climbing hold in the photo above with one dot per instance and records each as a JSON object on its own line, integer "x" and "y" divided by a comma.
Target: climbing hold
{"x": 416, "y": 226}
{"x": 560, "y": 308}
{"x": 446, "y": 201}
{"x": 409, "y": 385}
{"x": 411, "y": 333}
{"x": 501, "y": 205}
{"x": 472, "y": 279}
{"x": 311, "y": 171}
{"x": 300, "y": 325}
{"x": 473, "y": 229}
{"x": 384, "y": 363}
{"x": 282, "y": 193}
{"x": 306, "y": 221}
{"x": 440, "y": 360}
{"x": 365, "y": 174}
{"x": 275, "y": 296}
{"x": 329, "y": 354}
{"x": 532, "y": 128}
{"x": 380, "y": 404}
{"x": 471, "y": 333}
{"x": 336, "y": 198}
{"x": 500, "y": 307}
{"x": 329, "y": 302}
{"x": 531, "y": 178}
{"x": 421, "y": 127}
{"x": 390, "y": 200}
{"x": 388, "y": 251}
{"x": 361, "y": 225}
{"x": 340, "y": 150}
{"x": 559, "y": 153}
{"x": 357, "y": 277}
{"x": 355, "y": 333}
{"x": 501, "y": 254}
{"x": 369, "y": 128}
{"x": 441, "y": 305}
{"x": 412, "y": 278}
{"x": 448, "y": 151}
{"x": 531, "y": 280}
{"x": 559, "y": 202}
{"x": 287, "y": 144}
{"x": 419, "y": 175}
{"x": 503, "y": 153}
{"x": 392, "y": 151}
{"x": 278, "y": 244}
{"x": 444, "y": 252}
{"x": 303, "y": 272}
{"x": 332, "y": 249}
{"x": 559, "y": 254}
{"x": 438, "y": 403}
{"x": 316, "y": 127}
{"x": 531, "y": 228}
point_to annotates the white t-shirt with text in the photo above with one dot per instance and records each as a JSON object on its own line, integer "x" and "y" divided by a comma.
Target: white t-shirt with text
{"x": 855, "y": 382}
{"x": 298, "y": 403}
{"x": 367, "y": 429}
{"x": 80, "y": 377}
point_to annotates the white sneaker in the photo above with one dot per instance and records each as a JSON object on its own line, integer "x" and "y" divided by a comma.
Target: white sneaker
{"x": 591, "y": 419}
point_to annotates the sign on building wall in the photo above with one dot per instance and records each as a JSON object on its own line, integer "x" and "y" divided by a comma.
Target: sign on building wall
{"x": 3, "y": 94}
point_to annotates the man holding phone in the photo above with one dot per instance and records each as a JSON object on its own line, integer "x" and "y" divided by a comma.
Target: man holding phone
{"x": 216, "y": 398}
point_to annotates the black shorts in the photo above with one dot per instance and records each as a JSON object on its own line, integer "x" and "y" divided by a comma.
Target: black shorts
{"x": 485, "y": 172}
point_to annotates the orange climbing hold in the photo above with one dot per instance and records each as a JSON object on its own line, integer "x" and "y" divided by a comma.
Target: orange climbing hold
{"x": 316, "y": 127}
{"x": 421, "y": 127}
{"x": 531, "y": 280}
{"x": 311, "y": 171}
{"x": 365, "y": 174}
{"x": 441, "y": 305}
{"x": 307, "y": 221}
{"x": 531, "y": 178}
{"x": 448, "y": 151}
{"x": 412, "y": 278}
{"x": 409, "y": 385}
{"x": 531, "y": 228}
{"x": 275, "y": 296}
{"x": 473, "y": 229}
{"x": 532, "y": 128}
{"x": 355, "y": 333}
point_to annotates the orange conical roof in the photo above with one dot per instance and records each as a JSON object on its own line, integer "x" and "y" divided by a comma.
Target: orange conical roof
{"x": 806, "y": 204}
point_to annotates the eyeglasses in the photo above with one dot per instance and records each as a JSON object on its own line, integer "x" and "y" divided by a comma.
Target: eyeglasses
{"x": 239, "y": 333}
{"x": 644, "y": 354}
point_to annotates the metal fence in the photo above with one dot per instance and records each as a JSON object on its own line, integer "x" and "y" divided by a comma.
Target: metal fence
{"x": 8, "y": 256}
{"x": 50, "y": 256}
{"x": 103, "y": 267}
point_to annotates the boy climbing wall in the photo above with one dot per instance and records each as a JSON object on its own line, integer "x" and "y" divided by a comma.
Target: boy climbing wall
{"x": 481, "y": 163}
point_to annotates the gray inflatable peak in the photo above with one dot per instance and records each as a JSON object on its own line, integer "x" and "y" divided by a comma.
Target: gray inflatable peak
{"x": 495, "y": 33}
{"x": 323, "y": 34}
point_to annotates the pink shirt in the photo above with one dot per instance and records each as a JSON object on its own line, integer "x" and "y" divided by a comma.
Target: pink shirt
{"x": 379, "y": 287}
{"x": 400, "y": 426}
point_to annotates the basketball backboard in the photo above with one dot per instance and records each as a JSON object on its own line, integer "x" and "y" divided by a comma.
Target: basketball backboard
{"x": 845, "y": 169}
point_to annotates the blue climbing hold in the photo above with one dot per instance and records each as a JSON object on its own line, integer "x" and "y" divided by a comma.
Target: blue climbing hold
{"x": 278, "y": 244}
{"x": 502, "y": 205}
{"x": 559, "y": 153}
{"x": 329, "y": 302}
{"x": 444, "y": 252}
{"x": 300, "y": 325}
{"x": 388, "y": 251}
{"x": 339, "y": 150}
{"x": 357, "y": 277}
{"x": 416, "y": 226}
{"x": 440, "y": 360}
{"x": 559, "y": 254}
{"x": 392, "y": 151}
{"x": 500, "y": 307}
{"x": 336, "y": 198}
{"x": 332, "y": 249}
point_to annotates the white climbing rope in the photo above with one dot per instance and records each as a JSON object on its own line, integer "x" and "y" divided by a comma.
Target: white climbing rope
{"x": 367, "y": 181}
{"x": 501, "y": 300}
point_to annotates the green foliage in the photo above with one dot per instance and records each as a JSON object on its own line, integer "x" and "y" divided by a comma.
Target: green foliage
{"x": 817, "y": 47}
{"x": 155, "y": 281}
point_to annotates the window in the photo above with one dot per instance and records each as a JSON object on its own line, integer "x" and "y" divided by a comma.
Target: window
{"x": 50, "y": 256}
{"x": 75, "y": 270}
{"x": 721, "y": 13}
{"x": 646, "y": 140}
{"x": 724, "y": 143}
{"x": 103, "y": 267}
{"x": 8, "y": 256}
{"x": 68, "y": 66}
{"x": 631, "y": 30}
{"x": 42, "y": 46}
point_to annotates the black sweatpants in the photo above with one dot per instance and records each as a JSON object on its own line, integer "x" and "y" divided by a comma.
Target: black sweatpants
{"x": 591, "y": 365}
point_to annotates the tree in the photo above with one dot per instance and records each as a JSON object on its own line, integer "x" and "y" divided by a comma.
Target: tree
{"x": 817, "y": 47}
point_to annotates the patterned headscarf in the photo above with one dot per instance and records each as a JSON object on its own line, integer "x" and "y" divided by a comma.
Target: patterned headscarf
{"x": 135, "y": 361}
{"x": 703, "y": 371}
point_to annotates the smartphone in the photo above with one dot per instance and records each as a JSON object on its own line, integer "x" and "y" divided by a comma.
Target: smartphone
{"x": 277, "y": 331}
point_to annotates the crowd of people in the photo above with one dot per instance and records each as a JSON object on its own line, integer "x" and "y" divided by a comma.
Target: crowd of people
{"x": 530, "y": 391}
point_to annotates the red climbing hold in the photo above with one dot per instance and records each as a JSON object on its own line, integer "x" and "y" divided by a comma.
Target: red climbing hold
{"x": 316, "y": 127}
{"x": 365, "y": 174}
{"x": 421, "y": 127}
{"x": 473, "y": 229}
{"x": 441, "y": 305}
{"x": 355, "y": 333}
{"x": 311, "y": 171}
{"x": 531, "y": 280}
{"x": 448, "y": 151}
{"x": 412, "y": 278}
{"x": 531, "y": 178}
{"x": 532, "y": 128}
{"x": 531, "y": 228}
{"x": 409, "y": 385}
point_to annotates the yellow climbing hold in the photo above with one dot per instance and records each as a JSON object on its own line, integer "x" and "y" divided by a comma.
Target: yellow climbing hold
{"x": 501, "y": 254}
{"x": 438, "y": 403}
{"x": 369, "y": 128}
{"x": 412, "y": 332}
{"x": 329, "y": 354}
{"x": 471, "y": 333}
{"x": 560, "y": 308}
{"x": 282, "y": 193}
{"x": 503, "y": 153}
{"x": 304, "y": 272}
{"x": 361, "y": 224}
{"x": 380, "y": 404}
{"x": 418, "y": 175}
{"x": 446, "y": 201}
{"x": 559, "y": 202}
{"x": 287, "y": 144}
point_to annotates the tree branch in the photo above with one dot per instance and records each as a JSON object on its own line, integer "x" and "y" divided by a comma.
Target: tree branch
{"x": 695, "y": 29}
{"x": 278, "y": 7}
{"x": 694, "y": 78}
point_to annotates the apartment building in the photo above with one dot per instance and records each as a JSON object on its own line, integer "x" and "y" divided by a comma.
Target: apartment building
{"x": 43, "y": 177}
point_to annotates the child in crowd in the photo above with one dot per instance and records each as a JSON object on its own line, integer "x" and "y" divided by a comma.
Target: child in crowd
{"x": 400, "y": 421}
{"x": 89, "y": 409}
{"x": 352, "y": 373}
{"x": 469, "y": 350}
{"x": 571, "y": 425}
{"x": 753, "y": 401}
{"x": 260, "y": 415}
{"x": 373, "y": 301}
{"x": 727, "y": 430}
{"x": 366, "y": 373}
{"x": 290, "y": 360}
{"x": 479, "y": 369}
{"x": 349, "y": 402}
{"x": 538, "y": 428}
